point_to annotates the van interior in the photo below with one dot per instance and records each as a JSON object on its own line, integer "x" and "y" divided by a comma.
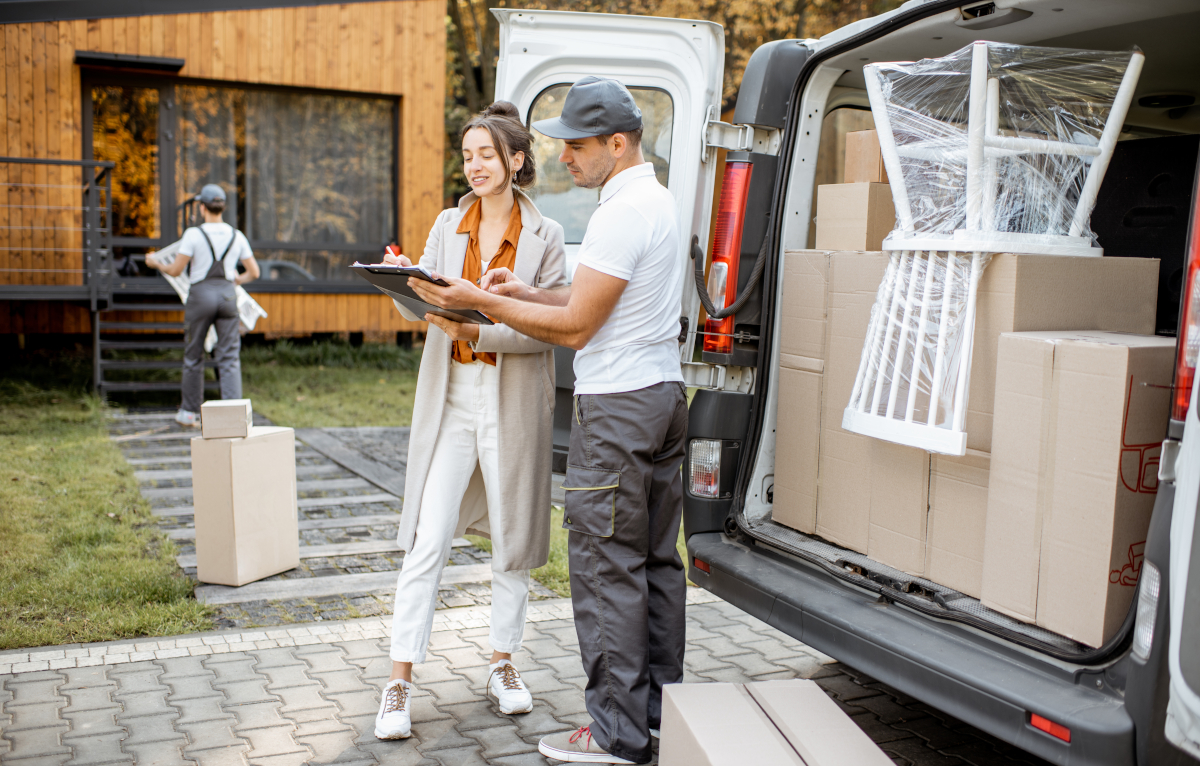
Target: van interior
{"x": 1142, "y": 212}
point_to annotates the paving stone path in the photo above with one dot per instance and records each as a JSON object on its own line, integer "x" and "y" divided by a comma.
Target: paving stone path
{"x": 304, "y": 688}
{"x": 309, "y": 694}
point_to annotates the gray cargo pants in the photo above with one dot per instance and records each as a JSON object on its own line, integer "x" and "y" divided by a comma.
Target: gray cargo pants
{"x": 212, "y": 301}
{"x": 624, "y": 502}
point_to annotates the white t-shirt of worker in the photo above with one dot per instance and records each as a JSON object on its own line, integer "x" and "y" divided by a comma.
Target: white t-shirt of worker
{"x": 193, "y": 245}
{"x": 634, "y": 236}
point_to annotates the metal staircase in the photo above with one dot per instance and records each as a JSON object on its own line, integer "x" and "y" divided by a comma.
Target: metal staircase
{"x": 114, "y": 331}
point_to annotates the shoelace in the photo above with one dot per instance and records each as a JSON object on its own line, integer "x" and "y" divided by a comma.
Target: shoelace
{"x": 579, "y": 734}
{"x": 509, "y": 677}
{"x": 396, "y": 697}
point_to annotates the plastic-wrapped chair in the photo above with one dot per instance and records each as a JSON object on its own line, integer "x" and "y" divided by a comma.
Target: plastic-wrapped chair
{"x": 995, "y": 148}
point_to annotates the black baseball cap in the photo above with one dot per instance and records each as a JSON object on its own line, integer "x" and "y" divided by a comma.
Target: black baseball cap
{"x": 594, "y": 106}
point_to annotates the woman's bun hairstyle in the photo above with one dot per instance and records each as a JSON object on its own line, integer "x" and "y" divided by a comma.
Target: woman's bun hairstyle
{"x": 502, "y": 109}
{"x": 503, "y": 123}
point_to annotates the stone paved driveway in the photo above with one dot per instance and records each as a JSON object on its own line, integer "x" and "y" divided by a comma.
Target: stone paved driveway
{"x": 309, "y": 694}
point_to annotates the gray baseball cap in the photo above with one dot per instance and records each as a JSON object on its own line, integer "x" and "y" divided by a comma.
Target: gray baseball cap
{"x": 210, "y": 194}
{"x": 594, "y": 106}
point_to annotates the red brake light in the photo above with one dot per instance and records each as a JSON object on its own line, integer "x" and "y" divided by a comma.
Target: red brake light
{"x": 1188, "y": 340}
{"x": 727, "y": 245}
{"x": 1050, "y": 727}
{"x": 701, "y": 565}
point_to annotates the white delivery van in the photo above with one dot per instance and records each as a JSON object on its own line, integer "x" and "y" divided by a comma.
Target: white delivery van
{"x": 1134, "y": 700}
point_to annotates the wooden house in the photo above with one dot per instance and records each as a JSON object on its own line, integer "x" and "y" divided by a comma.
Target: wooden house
{"x": 323, "y": 122}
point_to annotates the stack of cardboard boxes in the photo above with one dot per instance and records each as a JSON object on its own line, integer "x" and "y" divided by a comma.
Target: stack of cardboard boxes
{"x": 244, "y": 496}
{"x": 951, "y": 519}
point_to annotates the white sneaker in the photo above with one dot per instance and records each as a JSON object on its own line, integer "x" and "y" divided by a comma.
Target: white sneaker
{"x": 394, "y": 720}
{"x": 576, "y": 747}
{"x": 506, "y": 686}
{"x": 188, "y": 419}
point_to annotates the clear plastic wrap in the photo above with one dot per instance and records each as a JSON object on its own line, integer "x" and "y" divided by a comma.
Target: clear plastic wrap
{"x": 994, "y": 148}
{"x": 1042, "y": 118}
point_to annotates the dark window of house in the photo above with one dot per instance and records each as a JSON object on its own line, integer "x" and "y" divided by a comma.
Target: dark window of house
{"x": 125, "y": 131}
{"x": 309, "y": 177}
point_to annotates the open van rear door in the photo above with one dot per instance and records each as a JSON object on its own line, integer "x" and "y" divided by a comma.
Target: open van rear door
{"x": 674, "y": 69}
{"x": 1183, "y": 651}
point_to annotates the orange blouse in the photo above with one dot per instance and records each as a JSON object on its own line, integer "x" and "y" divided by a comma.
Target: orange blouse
{"x": 506, "y": 257}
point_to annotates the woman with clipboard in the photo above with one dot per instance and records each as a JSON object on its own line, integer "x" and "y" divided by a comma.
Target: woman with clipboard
{"x": 480, "y": 444}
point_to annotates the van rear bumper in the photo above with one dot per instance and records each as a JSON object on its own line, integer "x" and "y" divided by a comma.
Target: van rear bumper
{"x": 985, "y": 682}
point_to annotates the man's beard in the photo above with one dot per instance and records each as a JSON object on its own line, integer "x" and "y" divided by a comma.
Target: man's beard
{"x": 598, "y": 175}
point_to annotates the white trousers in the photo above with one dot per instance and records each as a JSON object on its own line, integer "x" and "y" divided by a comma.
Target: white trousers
{"x": 468, "y": 435}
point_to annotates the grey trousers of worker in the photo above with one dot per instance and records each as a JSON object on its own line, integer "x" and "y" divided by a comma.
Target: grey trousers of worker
{"x": 213, "y": 301}
{"x": 624, "y": 502}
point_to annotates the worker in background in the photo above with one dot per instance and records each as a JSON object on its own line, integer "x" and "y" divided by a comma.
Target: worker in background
{"x": 213, "y": 250}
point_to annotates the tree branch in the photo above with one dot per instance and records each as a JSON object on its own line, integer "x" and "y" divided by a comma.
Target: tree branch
{"x": 466, "y": 69}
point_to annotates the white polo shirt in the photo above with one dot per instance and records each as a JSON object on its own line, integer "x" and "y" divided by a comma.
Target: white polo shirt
{"x": 634, "y": 236}
{"x": 193, "y": 244}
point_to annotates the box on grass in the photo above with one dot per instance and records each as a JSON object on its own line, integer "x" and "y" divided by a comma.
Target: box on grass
{"x": 244, "y": 493}
{"x": 226, "y": 418}
{"x": 769, "y": 722}
{"x": 1080, "y": 417}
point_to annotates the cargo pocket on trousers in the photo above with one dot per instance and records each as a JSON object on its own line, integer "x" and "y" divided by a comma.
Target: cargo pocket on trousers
{"x": 591, "y": 500}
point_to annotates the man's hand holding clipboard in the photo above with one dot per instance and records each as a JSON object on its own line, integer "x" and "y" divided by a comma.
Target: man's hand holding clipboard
{"x": 400, "y": 279}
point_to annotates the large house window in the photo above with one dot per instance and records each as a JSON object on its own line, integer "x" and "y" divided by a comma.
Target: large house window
{"x": 310, "y": 177}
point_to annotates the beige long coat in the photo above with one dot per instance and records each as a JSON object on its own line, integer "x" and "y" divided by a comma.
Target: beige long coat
{"x": 521, "y": 526}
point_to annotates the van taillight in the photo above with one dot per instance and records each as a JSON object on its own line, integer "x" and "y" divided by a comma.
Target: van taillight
{"x": 1188, "y": 341}
{"x": 727, "y": 245}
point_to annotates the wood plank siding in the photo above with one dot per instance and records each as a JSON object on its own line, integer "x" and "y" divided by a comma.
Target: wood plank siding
{"x": 393, "y": 48}
{"x": 290, "y": 315}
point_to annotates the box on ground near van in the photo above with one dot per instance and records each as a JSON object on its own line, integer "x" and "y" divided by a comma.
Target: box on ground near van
{"x": 244, "y": 493}
{"x": 872, "y": 496}
{"x": 1080, "y": 417}
{"x": 854, "y": 216}
{"x": 864, "y": 161}
{"x": 226, "y": 418}
{"x": 770, "y": 722}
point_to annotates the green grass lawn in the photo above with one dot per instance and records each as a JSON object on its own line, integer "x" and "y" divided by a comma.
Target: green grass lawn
{"x": 82, "y": 559}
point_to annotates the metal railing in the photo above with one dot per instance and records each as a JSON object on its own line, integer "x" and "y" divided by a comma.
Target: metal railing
{"x": 56, "y": 230}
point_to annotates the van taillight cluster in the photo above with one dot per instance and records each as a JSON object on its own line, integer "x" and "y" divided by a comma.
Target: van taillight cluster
{"x": 727, "y": 245}
{"x": 1189, "y": 320}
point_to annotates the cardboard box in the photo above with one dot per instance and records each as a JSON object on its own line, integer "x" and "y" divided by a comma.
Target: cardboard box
{"x": 226, "y": 419}
{"x": 1079, "y": 420}
{"x": 864, "y": 161}
{"x": 802, "y": 364}
{"x": 803, "y": 308}
{"x": 854, "y": 216}
{"x": 873, "y": 495}
{"x": 958, "y": 497}
{"x": 770, "y": 722}
{"x": 1024, "y": 293}
{"x": 834, "y": 480}
{"x": 244, "y": 493}
{"x": 797, "y": 446}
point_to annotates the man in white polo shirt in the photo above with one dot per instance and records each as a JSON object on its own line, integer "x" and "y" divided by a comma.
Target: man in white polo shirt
{"x": 623, "y": 486}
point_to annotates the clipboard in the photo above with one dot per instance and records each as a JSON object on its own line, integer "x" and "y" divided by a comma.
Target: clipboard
{"x": 393, "y": 281}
